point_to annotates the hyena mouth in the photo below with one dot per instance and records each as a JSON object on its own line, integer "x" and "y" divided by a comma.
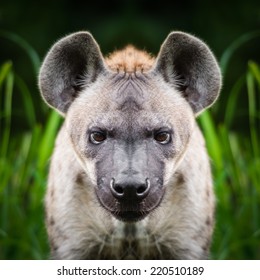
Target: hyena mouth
{"x": 130, "y": 212}
{"x": 129, "y": 201}
{"x": 130, "y": 216}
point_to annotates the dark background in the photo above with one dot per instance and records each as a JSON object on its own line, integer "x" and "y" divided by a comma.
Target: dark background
{"x": 114, "y": 23}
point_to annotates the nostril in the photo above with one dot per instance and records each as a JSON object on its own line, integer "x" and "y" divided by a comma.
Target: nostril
{"x": 117, "y": 190}
{"x": 143, "y": 190}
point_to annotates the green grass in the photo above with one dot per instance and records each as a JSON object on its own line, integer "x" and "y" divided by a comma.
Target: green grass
{"x": 234, "y": 150}
{"x": 23, "y": 168}
{"x": 24, "y": 160}
{"x": 236, "y": 167}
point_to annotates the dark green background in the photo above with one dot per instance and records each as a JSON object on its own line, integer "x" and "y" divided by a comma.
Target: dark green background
{"x": 114, "y": 23}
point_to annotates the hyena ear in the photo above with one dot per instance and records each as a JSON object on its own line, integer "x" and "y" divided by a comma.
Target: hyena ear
{"x": 72, "y": 60}
{"x": 188, "y": 64}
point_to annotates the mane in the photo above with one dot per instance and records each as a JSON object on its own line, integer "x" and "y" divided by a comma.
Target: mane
{"x": 130, "y": 60}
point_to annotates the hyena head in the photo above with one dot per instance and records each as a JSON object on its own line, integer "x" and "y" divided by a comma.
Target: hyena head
{"x": 129, "y": 118}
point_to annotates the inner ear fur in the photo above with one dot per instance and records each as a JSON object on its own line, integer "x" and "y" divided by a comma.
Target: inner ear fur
{"x": 187, "y": 63}
{"x": 74, "y": 57}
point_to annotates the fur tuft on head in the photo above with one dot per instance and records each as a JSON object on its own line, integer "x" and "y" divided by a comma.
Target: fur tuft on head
{"x": 130, "y": 60}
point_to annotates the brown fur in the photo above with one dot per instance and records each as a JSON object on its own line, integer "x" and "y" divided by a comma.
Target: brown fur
{"x": 130, "y": 60}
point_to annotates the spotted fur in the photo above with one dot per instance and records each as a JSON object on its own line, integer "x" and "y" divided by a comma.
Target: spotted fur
{"x": 130, "y": 94}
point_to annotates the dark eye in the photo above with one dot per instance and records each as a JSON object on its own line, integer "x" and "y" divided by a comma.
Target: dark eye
{"x": 97, "y": 137}
{"x": 162, "y": 137}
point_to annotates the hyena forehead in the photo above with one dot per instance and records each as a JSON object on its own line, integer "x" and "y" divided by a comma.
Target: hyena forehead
{"x": 125, "y": 87}
{"x": 131, "y": 99}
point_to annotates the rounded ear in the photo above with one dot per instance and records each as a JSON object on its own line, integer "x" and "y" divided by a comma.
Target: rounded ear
{"x": 73, "y": 61}
{"x": 188, "y": 64}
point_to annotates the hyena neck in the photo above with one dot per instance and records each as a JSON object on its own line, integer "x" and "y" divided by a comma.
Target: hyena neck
{"x": 130, "y": 241}
{"x": 130, "y": 60}
{"x": 126, "y": 240}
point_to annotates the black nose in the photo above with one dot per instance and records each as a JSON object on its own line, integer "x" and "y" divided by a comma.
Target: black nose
{"x": 129, "y": 190}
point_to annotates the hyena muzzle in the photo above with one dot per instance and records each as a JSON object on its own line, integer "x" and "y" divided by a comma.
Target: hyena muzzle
{"x": 129, "y": 176}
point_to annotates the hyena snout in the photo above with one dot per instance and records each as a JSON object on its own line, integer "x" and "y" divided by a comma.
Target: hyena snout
{"x": 130, "y": 198}
{"x": 128, "y": 190}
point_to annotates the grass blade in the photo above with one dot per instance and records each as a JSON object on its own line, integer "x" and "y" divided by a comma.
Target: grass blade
{"x": 224, "y": 61}
{"x": 252, "y": 111}
{"x": 34, "y": 58}
{"x": 27, "y": 101}
{"x": 7, "y": 113}
{"x": 4, "y": 70}
{"x": 212, "y": 141}
{"x": 48, "y": 138}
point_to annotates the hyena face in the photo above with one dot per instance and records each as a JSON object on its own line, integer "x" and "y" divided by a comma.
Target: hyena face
{"x": 130, "y": 142}
{"x": 130, "y": 129}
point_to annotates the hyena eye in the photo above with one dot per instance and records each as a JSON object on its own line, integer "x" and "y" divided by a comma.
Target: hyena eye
{"x": 97, "y": 137}
{"x": 162, "y": 137}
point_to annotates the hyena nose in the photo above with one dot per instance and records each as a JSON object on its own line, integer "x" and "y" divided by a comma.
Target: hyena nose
{"x": 129, "y": 190}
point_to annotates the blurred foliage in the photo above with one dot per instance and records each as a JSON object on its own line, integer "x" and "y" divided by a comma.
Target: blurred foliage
{"x": 28, "y": 128}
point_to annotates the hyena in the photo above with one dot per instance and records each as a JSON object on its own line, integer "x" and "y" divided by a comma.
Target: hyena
{"x": 130, "y": 176}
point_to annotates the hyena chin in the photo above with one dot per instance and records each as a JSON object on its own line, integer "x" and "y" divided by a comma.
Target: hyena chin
{"x": 129, "y": 176}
